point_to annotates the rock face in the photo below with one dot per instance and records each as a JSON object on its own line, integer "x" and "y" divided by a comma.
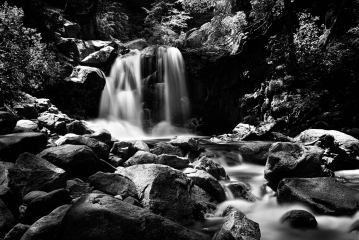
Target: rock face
{"x": 238, "y": 227}
{"x": 163, "y": 190}
{"x": 77, "y": 161}
{"x": 290, "y": 160}
{"x": 34, "y": 173}
{"x": 7, "y": 122}
{"x": 211, "y": 167}
{"x": 323, "y": 195}
{"x": 113, "y": 184}
{"x": 299, "y": 219}
{"x": 12, "y": 145}
{"x": 117, "y": 219}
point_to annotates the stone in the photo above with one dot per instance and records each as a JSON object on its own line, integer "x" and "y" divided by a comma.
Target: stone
{"x": 163, "y": 190}
{"x": 32, "y": 195}
{"x": 26, "y": 126}
{"x": 26, "y": 110}
{"x": 141, "y": 157}
{"x": 243, "y": 130}
{"x": 207, "y": 182}
{"x": 78, "y": 188}
{"x": 216, "y": 170}
{"x": 99, "y": 148}
{"x": 136, "y": 44}
{"x": 44, "y": 205}
{"x": 72, "y": 30}
{"x": 123, "y": 149}
{"x": 101, "y": 135}
{"x": 204, "y": 203}
{"x": 141, "y": 146}
{"x": 172, "y": 161}
{"x": 55, "y": 122}
{"x": 238, "y": 227}
{"x": 17, "y": 232}
{"x": 7, "y": 195}
{"x": 118, "y": 219}
{"x": 166, "y": 148}
{"x": 32, "y": 173}
{"x": 98, "y": 58}
{"x": 7, "y": 220}
{"x": 323, "y": 195}
{"x": 115, "y": 161}
{"x": 78, "y": 127}
{"x": 186, "y": 143}
{"x": 46, "y": 227}
{"x": 299, "y": 219}
{"x": 113, "y": 184}
{"x": 290, "y": 160}
{"x": 133, "y": 201}
{"x": 7, "y": 122}
{"x": 12, "y": 145}
{"x": 78, "y": 161}
{"x": 255, "y": 152}
{"x": 241, "y": 191}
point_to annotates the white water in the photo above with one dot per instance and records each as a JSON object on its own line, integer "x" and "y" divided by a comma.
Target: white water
{"x": 121, "y": 110}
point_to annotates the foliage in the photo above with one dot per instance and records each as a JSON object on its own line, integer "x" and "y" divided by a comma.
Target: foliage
{"x": 111, "y": 21}
{"x": 25, "y": 63}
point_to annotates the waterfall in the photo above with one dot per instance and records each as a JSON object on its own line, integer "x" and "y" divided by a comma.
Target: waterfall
{"x": 132, "y": 102}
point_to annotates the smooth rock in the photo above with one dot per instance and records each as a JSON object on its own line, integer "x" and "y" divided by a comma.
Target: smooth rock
{"x": 299, "y": 219}
{"x": 55, "y": 122}
{"x": 26, "y": 126}
{"x": 115, "y": 161}
{"x": 133, "y": 201}
{"x": 78, "y": 127}
{"x": 32, "y": 195}
{"x": 141, "y": 146}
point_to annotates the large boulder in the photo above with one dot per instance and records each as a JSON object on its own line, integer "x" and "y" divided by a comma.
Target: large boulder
{"x": 99, "y": 216}
{"x": 255, "y": 152}
{"x": 186, "y": 143}
{"x": 207, "y": 182}
{"x": 241, "y": 191}
{"x": 323, "y": 195}
{"x": 208, "y": 165}
{"x": 46, "y": 227}
{"x": 7, "y": 122}
{"x": 113, "y": 184}
{"x": 99, "y": 148}
{"x": 101, "y": 135}
{"x": 166, "y": 148}
{"x": 26, "y": 126}
{"x": 203, "y": 202}
{"x": 12, "y": 145}
{"x": 141, "y": 157}
{"x": 163, "y": 190}
{"x": 34, "y": 173}
{"x": 78, "y": 127}
{"x": 77, "y": 161}
{"x": 290, "y": 160}
{"x": 7, "y": 220}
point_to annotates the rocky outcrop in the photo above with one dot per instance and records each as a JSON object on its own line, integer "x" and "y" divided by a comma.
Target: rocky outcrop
{"x": 118, "y": 219}
{"x": 323, "y": 195}
{"x": 290, "y": 160}
{"x": 299, "y": 219}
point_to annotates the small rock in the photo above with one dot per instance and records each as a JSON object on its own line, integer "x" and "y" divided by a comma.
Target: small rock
{"x": 141, "y": 146}
{"x": 123, "y": 149}
{"x": 172, "y": 161}
{"x": 7, "y": 122}
{"x": 241, "y": 191}
{"x": 141, "y": 157}
{"x": 299, "y": 219}
{"x": 115, "y": 161}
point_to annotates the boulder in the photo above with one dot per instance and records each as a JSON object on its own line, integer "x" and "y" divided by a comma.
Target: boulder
{"x": 261, "y": 132}
{"x": 26, "y": 110}
{"x": 113, "y": 184}
{"x": 255, "y": 152}
{"x": 166, "y": 148}
{"x": 118, "y": 219}
{"x": 12, "y": 145}
{"x": 133, "y": 201}
{"x": 7, "y": 220}
{"x": 78, "y": 188}
{"x": 78, "y": 127}
{"x": 206, "y": 164}
{"x": 99, "y": 148}
{"x": 72, "y": 30}
{"x": 207, "y": 182}
{"x": 163, "y": 190}
{"x": 17, "y": 232}
{"x": 172, "y": 161}
{"x": 136, "y": 44}
{"x": 98, "y": 59}
{"x": 299, "y": 219}
{"x": 290, "y": 160}
{"x": 141, "y": 157}
{"x": 7, "y": 195}
{"x": 186, "y": 143}
{"x": 32, "y": 173}
{"x": 241, "y": 191}
{"x": 32, "y": 195}
{"x": 101, "y": 135}
{"x": 26, "y": 126}
{"x": 204, "y": 203}
{"x": 323, "y": 195}
{"x": 7, "y": 122}
{"x": 44, "y": 205}
{"x": 123, "y": 149}
{"x": 141, "y": 146}
{"x": 238, "y": 227}
{"x": 77, "y": 161}
{"x": 46, "y": 227}
{"x": 55, "y": 122}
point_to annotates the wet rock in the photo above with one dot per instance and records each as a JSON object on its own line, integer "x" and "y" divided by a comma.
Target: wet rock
{"x": 7, "y": 122}
{"x": 163, "y": 190}
{"x": 26, "y": 126}
{"x": 255, "y": 152}
{"x": 290, "y": 160}
{"x": 207, "y": 182}
{"x": 77, "y": 161}
{"x": 32, "y": 195}
{"x": 32, "y": 173}
{"x": 7, "y": 220}
{"x": 76, "y": 187}
{"x": 44, "y": 205}
{"x": 78, "y": 127}
{"x": 204, "y": 203}
{"x": 216, "y": 170}
{"x": 260, "y": 132}
{"x": 241, "y": 191}
{"x": 55, "y": 122}
{"x": 299, "y": 219}
{"x": 186, "y": 143}
{"x": 113, "y": 184}
{"x": 323, "y": 195}
{"x": 46, "y": 227}
{"x": 238, "y": 227}
{"x": 123, "y": 149}
{"x": 172, "y": 161}
{"x": 115, "y": 161}
{"x": 17, "y": 232}
{"x": 118, "y": 219}
{"x": 141, "y": 146}
{"x": 166, "y": 148}
{"x": 136, "y": 44}
{"x": 12, "y": 145}
{"x": 101, "y": 135}
{"x": 141, "y": 157}
{"x": 133, "y": 201}
{"x": 99, "y": 148}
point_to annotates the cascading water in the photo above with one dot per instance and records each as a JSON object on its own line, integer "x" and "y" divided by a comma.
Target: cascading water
{"x": 128, "y": 101}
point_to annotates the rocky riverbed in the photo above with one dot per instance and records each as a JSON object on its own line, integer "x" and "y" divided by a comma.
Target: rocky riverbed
{"x": 60, "y": 179}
